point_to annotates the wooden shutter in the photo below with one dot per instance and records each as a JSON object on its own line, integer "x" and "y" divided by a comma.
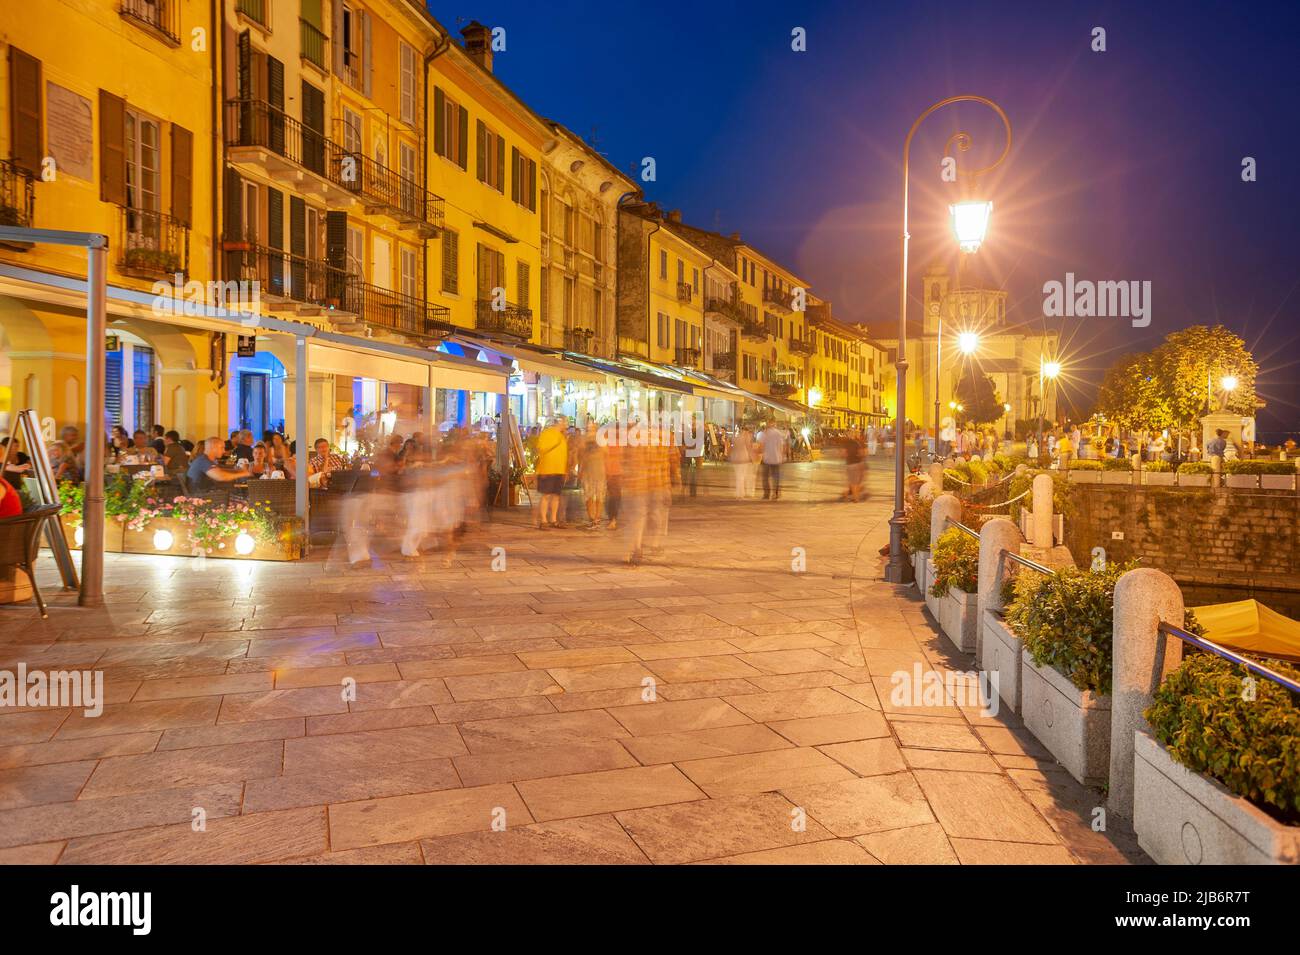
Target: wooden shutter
{"x": 112, "y": 148}
{"x": 515, "y": 170}
{"x": 234, "y": 224}
{"x": 25, "y": 126}
{"x": 182, "y": 173}
{"x": 336, "y": 255}
{"x": 367, "y": 66}
{"x": 244, "y": 62}
{"x": 462, "y": 144}
{"x": 481, "y": 154}
{"x": 451, "y": 262}
{"x": 297, "y": 246}
{"x": 439, "y": 122}
{"x": 523, "y": 275}
{"x": 532, "y": 189}
{"x": 275, "y": 83}
{"x": 337, "y": 38}
{"x": 275, "y": 238}
{"x": 500, "y": 148}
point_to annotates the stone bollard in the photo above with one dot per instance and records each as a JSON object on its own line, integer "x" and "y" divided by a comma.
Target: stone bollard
{"x": 998, "y": 536}
{"x": 1041, "y": 528}
{"x": 1141, "y": 657}
{"x": 935, "y": 470}
{"x": 946, "y": 507}
{"x": 926, "y": 491}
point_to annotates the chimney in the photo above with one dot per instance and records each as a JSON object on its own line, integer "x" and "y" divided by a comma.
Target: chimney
{"x": 675, "y": 215}
{"x": 478, "y": 44}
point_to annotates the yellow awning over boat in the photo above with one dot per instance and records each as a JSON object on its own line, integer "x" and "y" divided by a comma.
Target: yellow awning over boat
{"x": 1250, "y": 627}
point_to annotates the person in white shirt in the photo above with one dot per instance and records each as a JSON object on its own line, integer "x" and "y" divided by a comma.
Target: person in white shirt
{"x": 772, "y": 440}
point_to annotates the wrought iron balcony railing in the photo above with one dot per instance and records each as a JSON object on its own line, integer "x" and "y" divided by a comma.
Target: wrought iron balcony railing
{"x": 162, "y": 17}
{"x": 802, "y": 346}
{"x": 688, "y": 358}
{"x": 724, "y": 361}
{"x": 777, "y": 296}
{"x": 151, "y": 244}
{"x": 279, "y": 274}
{"x": 578, "y": 339}
{"x": 684, "y": 291}
{"x": 17, "y": 195}
{"x": 256, "y": 10}
{"x": 782, "y": 388}
{"x": 756, "y": 331}
{"x": 253, "y": 123}
{"x": 312, "y": 44}
{"x": 511, "y": 320}
{"x": 397, "y": 312}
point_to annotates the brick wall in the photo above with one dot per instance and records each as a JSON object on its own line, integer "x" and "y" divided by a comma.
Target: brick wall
{"x": 1217, "y": 536}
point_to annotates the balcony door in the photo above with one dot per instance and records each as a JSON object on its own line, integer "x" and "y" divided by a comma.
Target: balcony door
{"x": 143, "y": 182}
{"x": 381, "y": 262}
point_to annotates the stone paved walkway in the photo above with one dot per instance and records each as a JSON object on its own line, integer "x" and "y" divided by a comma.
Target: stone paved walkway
{"x": 516, "y": 698}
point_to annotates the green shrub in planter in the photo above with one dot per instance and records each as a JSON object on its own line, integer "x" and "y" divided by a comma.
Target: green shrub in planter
{"x": 1251, "y": 746}
{"x": 1259, "y": 467}
{"x": 979, "y": 473}
{"x": 1085, "y": 464}
{"x": 956, "y": 559}
{"x": 1195, "y": 467}
{"x": 1116, "y": 464}
{"x": 1062, "y": 503}
{"x": 916, "y": 533}
{"x": 1163, "y": 467}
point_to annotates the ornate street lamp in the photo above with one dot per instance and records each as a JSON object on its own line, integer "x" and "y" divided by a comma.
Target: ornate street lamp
{"x": 969, "y": 226}
{"x": 1047, "y": 371}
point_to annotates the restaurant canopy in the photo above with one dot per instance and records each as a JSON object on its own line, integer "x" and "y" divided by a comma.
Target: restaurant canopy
{"x": 1250, "y": 627}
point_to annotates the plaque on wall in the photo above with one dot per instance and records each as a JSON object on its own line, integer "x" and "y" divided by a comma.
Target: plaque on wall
{"x": 68, "y": 130}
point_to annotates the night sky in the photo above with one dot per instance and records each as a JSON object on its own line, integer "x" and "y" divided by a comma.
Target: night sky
{"x": 1126, "y": 165}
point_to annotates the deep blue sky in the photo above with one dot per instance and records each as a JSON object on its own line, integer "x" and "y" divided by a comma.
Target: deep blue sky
{"x": 1126, "y": 164}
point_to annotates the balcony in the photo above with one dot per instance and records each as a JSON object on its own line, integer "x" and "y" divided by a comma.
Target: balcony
{"x": 724, "y": 361}
{"x": 162, "y": 18}
{"x": 781, "y": 388}
{"x": 688, "y": 358}
{"x": 777, "y": 296}
{"x": 17, "y": 195}
{"x": 256, "y": 10}
{"x": 285, "y": 277}
{"x": 511, "y": 320}
{"x": 397, "y": 312}
{"x": 151, "y": 245}
{"x": 312, "y": 44}
{"x": 754, "y": 331}
{"x": 578, "y": 339}
{"x": 802, "y": 346}
{"x": 684, "y": 291}
{"x": 726, "y": 308}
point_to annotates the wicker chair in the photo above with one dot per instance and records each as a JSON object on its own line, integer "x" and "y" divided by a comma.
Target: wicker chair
{"x": 20, "y": 540}
{"x": 280, "y": 493}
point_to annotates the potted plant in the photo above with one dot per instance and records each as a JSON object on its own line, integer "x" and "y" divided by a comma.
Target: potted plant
{"x": 1116, "y": 471}
{"x": 1064, "y": 621}
{"x": 916, "y": 534}
{"x": 1085, "y": 471}
{"x": 1276, "y": 475}
{"x": 1158, "y": 472}
{"x": 956, "y": 561}
{"x": 1195, "y": 474}
{"x": 1217, "y": 778}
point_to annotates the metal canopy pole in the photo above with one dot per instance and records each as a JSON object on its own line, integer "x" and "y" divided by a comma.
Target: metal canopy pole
{"x": 92, "y": 515}
{"x": 302, "y": 453}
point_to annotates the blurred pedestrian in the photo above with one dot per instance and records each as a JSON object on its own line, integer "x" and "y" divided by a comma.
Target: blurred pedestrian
{"x": 552, "y": 467}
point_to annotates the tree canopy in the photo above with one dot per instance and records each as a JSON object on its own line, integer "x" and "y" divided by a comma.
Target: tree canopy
{"x": 1167, "y": 387}
{"x": 980, "y": 401}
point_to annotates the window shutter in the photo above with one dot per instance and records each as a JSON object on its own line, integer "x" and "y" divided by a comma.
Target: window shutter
{"x": 182, "y": 173}
{"x": 112, "y": 148}
{"x": 407, "y": 81}
{"x": 500, "y": 145}
{"x": 462, "y": 144}
{"x": 336, "y": 239}
{"x": 481, "y": 137}
{"x": 514, "y": 174}
{"x": 25, "y": 126}
{"x": 274, "y": 218}
{"x": 337, "y": 37}
{"x": 297, "y": 245}
{"x": 532, "y": 190}
{"x": 367, "y": 67}
{"x": 234, "y": 226}
{"x": 523, "y": 275}
{"x": 275, "y": 83}
{"x": 439, "y": 121}
{"x": 450, "y": 262}
{"x": 244, "y": 59}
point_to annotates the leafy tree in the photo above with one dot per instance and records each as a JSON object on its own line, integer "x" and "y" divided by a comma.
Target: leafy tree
{"x": 1166, "y": 388}
{"x": 978, "y": 397}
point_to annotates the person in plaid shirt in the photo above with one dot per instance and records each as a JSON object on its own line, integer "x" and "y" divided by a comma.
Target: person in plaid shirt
{"x": 323, "y": 461}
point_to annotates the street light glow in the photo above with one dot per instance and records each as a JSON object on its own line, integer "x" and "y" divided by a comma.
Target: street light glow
{"x": 1051, "y": 369}
{"x": 970, "y": 223}
{"x": 1229, "y": 383}
{"x": 814, "y": 396}
{"x": 968, "y": 342}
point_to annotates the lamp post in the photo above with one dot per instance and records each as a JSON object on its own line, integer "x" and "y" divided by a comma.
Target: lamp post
{"x": 1047, "y": 371}
{"x": 969, "y": 222}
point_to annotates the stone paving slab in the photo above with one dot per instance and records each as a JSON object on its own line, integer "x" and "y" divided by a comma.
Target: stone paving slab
{"x": 709, "y": 706}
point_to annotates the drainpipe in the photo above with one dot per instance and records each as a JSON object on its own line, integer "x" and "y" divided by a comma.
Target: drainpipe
{"x": 216, "y": 38}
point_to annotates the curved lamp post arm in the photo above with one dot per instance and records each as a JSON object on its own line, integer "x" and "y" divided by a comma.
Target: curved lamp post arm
{"x": 897, "y": 570}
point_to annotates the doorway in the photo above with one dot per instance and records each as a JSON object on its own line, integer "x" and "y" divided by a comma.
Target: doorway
{"x": 254, "y": 399}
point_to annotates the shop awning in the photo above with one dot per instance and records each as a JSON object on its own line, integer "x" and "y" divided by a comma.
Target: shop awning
{"x": 530, "y": 358}
{"x": 638, "y": 372}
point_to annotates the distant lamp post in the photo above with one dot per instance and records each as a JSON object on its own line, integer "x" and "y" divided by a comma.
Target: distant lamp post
{"x": 967, "y": 342}
{"x": 970, "y": 222}
{"x": 1047, "y": 371}
{"x": 814, "y": 397}
{"x": 970, "y": 226}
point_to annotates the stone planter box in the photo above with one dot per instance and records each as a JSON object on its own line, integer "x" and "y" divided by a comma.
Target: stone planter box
{"x": 1117, "y": 477}
{"x": 1084, "y": 476}
{"x": 1182, "y": 817}
{"x": 1164, "y": 478}
{"x": 1073, "y": 724}
{"x": 146, "y": 542}
{"x": 1196, "y": 480}
{"x": 1241, "y": 480}
{"x": 958, "y": 619}
{"x": 921, "y": 569}
{"x": 1277, "y": 482}
{"x": 1000, "y": 652}
{"x": 113, "y": 532}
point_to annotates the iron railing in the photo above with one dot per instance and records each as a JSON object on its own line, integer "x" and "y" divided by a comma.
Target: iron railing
{"x": 724, "y": 361}
{"x": 777, "y": 296}
{"x": 160, "y": 16}
{"x": 684, "y": 291}
{"x": 312, "y": 43}
{"x": 782, "y": 389}
{"x": 578, "y": 339}
{"x": 688, "y": 358}
{"x": 756, "y": 331}
{"x": 256, "y": 10}
{"x": 802, "y": 346}
{"x": 151, "y": 244}
{"x": 397, "y": 311}
{"x": 278, "y": 273}
{"x": 726, "y": 307}
{"x": 256, "y": 123}
{"x": 17, "y": 195}
{"x": 1211, "y": 647}
{"x": 511, "y": 320}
